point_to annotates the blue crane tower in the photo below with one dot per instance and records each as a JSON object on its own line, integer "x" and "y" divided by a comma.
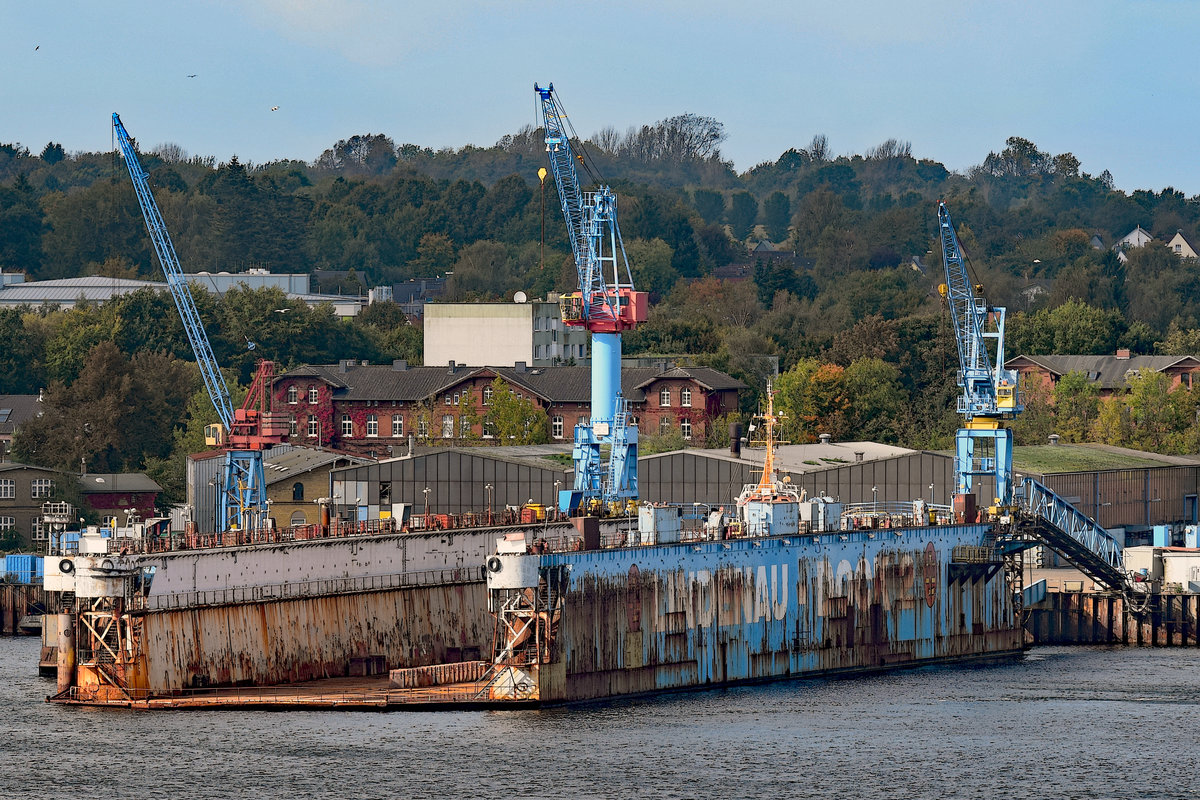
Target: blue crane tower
{"x": 244, "y": 432}
{"x": 1028, "y": 512}
{"x": 605, "y": 305}
{"x": 983, "y": 446}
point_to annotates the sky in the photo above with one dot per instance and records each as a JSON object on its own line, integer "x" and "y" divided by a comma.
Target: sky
{"x": 1112, "y": 81}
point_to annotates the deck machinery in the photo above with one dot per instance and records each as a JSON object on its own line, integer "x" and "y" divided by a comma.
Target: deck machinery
{"x": 606, "y": 305}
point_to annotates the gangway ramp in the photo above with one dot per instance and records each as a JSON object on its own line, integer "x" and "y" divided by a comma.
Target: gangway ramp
{"x": 1090, "y": 548}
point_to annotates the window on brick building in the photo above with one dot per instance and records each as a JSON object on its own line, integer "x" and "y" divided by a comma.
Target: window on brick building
{"x": 347, "y": 425}
{"x": 313, "y": 395}
{"x": 664, "y": 397}
{"x": 556, "y": 427}
{"x": 293, "y": 395}
{"x": 685, "y": 397}
{"x": 397, "y": 425}
{"x": 685, "y": 426}
{"x": 372, "y": 425}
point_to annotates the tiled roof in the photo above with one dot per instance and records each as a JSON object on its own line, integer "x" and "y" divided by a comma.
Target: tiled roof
{"x": 565, "y": 384}
{"x": 709, "y": 378}
{"x": 1107, "y": 371}
{"x": 16, "y": 409}
{"x": 299, "y": 460}
{"x": 104, "y": 483}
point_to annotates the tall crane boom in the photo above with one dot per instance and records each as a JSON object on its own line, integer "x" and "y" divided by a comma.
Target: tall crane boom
{"x": 214, "y": 381}
{"x": 989, "y": 398}
{"x": 241, "y": 499}
{"x": 606, "y": 304}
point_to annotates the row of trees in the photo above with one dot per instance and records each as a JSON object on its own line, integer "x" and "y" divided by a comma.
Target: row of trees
{"x": 850, "y": 317}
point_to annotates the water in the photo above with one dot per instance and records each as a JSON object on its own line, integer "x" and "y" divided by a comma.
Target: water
{"x": 1070, "y": 722}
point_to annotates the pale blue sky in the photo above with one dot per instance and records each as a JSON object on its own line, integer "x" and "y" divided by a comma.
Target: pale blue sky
{"x": 1113, "y": 82}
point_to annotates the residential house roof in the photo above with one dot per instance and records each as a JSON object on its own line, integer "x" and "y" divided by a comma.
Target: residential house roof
{"x": 1180, "y": 246}
{"x": 16, "y": 409}
{"x": 559, "y": 384}
{"x": 1107, "y": 371}
{"x": 1135, "y": 238}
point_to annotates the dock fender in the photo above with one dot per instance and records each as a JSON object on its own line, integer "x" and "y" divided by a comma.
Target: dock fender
{"x": 66, "y": 566}
{"x": 494, "y": 564}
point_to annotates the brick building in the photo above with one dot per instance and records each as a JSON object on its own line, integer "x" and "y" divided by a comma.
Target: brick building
{"x": 1107, "y": 372}
{"x": 371, "y": 410}
{"x": 25, "y": 489}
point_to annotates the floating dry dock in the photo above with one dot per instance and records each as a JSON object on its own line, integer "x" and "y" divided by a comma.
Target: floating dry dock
{"x": 568, "y": 613}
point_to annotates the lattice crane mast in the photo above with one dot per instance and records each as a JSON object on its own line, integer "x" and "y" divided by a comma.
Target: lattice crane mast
{"x": 989, "y": 400}
{"x": 243, "y": 432}
{"x": 605, "y": 305}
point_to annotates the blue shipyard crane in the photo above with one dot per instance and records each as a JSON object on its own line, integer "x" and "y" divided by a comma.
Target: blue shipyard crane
{"x": 244, "y": 432}
{"x": 605, "y": 305}
{"x": 983, "y": 446}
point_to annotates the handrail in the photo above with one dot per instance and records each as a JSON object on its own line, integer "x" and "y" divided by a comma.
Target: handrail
{"x": 294, "y": 590}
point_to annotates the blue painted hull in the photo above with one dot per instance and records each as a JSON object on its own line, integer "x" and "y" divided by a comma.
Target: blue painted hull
{"x": 666, "y": 617}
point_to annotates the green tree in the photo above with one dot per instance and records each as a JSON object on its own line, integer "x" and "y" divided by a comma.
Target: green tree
{"x": 743, "y": 213}
{"x": 1152, "y": 410}
{"x": 22, "y": 226}
{"x": 777, "y": 214}
{"x": 516, "y": 420}
{"x": 650, "y": 263}
{"x": 1070, "y": 329}
{"x": 1076, "y": 406}
{"x": 709, "y": 204}
{"x": 876, "y": 400}
{"x": 1035, "y": 424}
{"x": 813, "y": 399}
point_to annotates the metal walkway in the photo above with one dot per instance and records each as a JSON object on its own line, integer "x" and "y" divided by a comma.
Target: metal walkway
{"x": 1050, "y": 519}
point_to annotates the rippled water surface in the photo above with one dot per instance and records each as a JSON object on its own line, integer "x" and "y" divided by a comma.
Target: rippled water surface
{"x": 1063, "y": 722}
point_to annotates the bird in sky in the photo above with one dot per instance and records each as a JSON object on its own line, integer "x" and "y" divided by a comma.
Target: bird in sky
{"x": 36, "y": 47}
{"x": 192, "y": 75}
{"x": 274, "y": 108}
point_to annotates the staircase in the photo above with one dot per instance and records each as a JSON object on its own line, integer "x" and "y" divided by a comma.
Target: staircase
{"x": 1050, "y": 519}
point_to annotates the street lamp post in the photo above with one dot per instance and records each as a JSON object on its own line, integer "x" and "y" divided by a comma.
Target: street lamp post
{"x": 488, "y": 488}
{"x": 874, "y": 499}
{"x": 426, "y": 493}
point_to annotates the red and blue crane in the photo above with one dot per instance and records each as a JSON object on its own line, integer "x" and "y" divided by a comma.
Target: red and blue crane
{"x": 606, "y": 305}
{"x": 243, "y": 432}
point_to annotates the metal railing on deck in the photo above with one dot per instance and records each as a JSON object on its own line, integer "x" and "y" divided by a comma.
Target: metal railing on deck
{"x": 295, "y": 590}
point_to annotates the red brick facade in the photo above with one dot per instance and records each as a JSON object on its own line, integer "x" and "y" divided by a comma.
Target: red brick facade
{"x": 372, "y": 410}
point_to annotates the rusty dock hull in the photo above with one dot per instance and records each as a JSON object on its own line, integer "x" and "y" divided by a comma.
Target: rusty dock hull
{"x": 642, "y": 620}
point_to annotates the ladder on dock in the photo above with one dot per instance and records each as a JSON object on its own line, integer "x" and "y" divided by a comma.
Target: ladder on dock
{"x": 1050, "y": 519}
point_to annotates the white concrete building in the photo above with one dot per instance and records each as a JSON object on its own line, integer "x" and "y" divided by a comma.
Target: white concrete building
{"x": 501, "y": 334}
